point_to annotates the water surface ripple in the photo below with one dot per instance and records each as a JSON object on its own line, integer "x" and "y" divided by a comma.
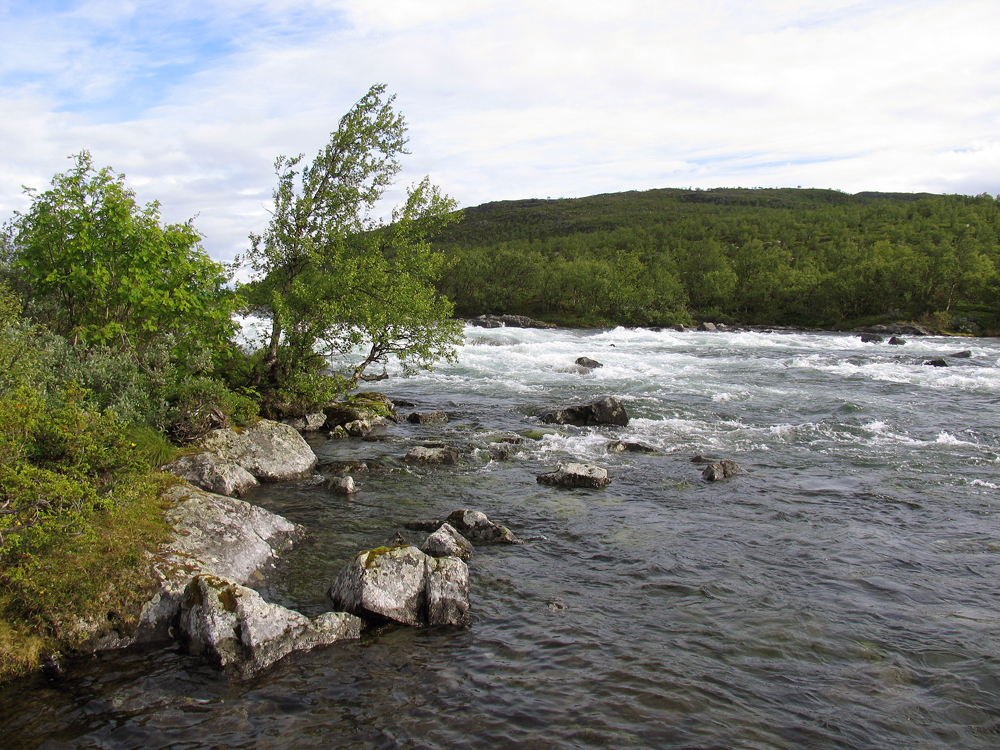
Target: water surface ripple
{"x": 843, "y": 594}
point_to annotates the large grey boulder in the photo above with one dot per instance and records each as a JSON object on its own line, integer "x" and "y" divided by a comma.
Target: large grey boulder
{"x": 398, "y": 583}
{"x": 576, "y": 475}
{"x": 271, "y": 451}
{"x": 607, "y": 410}
{"x": 213, "y": 474}
{"x": 239, "y": 632}
{"x": 307, "y": 423}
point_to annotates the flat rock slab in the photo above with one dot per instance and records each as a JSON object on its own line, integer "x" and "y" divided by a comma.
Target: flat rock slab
{"x": 608, "y": 410}
{"x": 271, "y": 451}
{"x": 576, "y": 475}
{"x": 423, "y": 455}
{"x": 428, "y": 417}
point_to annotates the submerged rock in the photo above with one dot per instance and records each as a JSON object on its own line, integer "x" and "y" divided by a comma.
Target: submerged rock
{"x": 896, "y": 341}
{"x": 722, "y": 470}
{"x": 590, "y": 364}
{"x": 576, "y": 475}
{"x": 607, "y": 410}
{"x": 961, "y": 355}
{"x": 404, "y": 585}
{"x": 271, "y": 451}
{"x": 239, "y": 632}
{"x": 937, "y": 362}
{"x": 871, "y": 338}
{"x": 428, "y": 417}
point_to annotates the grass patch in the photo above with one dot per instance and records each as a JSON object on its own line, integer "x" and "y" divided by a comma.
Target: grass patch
{"x": 82, "y": 584}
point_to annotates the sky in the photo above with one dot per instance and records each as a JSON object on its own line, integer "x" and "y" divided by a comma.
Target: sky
{"x": 192, "y": 100}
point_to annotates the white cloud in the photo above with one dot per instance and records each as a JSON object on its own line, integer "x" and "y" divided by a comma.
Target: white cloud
{"x": 506, "y": 99}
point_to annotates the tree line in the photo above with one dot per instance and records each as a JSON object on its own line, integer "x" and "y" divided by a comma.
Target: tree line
{"x": 781, "y": 256}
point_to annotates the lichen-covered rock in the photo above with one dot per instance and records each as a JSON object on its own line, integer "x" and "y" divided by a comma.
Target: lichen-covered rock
{"x": 215, "y": 535}
{"x": 576, "y": 475}
{"x": 271, "y": 451}
{"x": 722, "y": 470}
{"x": 607, "y": 410}
{"x": 397, "y": 583}
{"x": 476, "y": 526}
{"x": 239, "y": 632}
{"x": 428, "y": 417}
{"x": 447, "y": 542}
{"x": 420, "y": 454}
{"x": 213, "y": 474}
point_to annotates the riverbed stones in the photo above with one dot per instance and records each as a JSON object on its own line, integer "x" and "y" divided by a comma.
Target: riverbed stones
{"x": 271, "y": 451}
{"x": 422, "y": 454}
{"x": 213, "y": 474}
{"x": 723, "y": 469}
{"x": 607, "y": 410}
{"x": 576, "y": 475}
{"x": 447, "y": 542}
{"x": 404, "y": 585}
{"x": 234, "y": 628}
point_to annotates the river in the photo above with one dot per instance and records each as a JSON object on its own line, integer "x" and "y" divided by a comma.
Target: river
{"x": 841, "y": 594}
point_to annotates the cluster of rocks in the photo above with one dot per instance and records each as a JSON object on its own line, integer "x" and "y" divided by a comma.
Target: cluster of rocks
{"x": 507, "y": 321}
{"x": 423, "y": 586}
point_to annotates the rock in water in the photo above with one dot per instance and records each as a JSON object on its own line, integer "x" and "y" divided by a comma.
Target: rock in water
{"x": 576, "y": 475}
{"x": 600, "y": 411}
{"x": 479, "y": 529}
{"x": 871, "y": 338}
{"x": 400, "y": 584}
{"x": 590, "y": 364}
{"x": 236, "y": 629}
{"x": 423, "y": 455}
{"x": 722, "y": 470}
{"x": 447, "y": 542}
{"x": 428, "y": 417}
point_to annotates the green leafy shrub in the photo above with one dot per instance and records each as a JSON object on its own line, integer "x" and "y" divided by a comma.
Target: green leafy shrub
{"x": 202, "y": 404}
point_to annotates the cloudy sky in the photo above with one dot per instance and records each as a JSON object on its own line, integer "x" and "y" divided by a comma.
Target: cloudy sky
{"x": 193, "y": 99}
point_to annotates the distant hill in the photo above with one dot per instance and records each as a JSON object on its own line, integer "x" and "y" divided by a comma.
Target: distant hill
{"x": 782, "y": 255}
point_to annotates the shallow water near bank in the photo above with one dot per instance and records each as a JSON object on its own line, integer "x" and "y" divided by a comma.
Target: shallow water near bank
{"x": 842, "y": 594}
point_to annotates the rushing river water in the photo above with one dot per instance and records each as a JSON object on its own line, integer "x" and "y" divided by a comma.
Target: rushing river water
{"x": 842, "y": 594}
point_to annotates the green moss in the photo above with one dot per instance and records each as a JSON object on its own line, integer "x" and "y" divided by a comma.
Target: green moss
{"x": 228, "y": 599}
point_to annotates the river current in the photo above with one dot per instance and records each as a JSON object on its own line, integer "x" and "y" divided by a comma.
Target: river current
{"x": 841, "y": 594}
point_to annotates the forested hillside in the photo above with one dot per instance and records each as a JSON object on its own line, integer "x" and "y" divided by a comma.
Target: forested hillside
{"x": 772, "y": 256}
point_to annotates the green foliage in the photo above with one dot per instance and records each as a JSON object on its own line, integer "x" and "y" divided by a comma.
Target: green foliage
{"x": 812, "y": 257}
{"x": 100, "y": 269}
{"x": 200, "y": 404}
{"x": 332, "y": 281}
